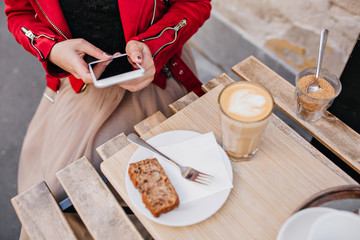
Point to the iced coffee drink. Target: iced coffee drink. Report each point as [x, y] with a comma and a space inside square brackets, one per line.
[245, 110]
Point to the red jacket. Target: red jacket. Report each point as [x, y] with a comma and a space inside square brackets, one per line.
[38, 24]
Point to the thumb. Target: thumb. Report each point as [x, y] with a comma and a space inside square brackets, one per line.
[135, 51]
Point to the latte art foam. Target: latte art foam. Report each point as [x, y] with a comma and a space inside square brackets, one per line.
[246, 102]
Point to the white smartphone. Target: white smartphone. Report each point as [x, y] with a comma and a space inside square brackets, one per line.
[120, 68]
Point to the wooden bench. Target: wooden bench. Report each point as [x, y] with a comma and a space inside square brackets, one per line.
[101, 213]
[329, 130]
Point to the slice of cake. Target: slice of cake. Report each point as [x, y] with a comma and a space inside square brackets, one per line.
[157, 192]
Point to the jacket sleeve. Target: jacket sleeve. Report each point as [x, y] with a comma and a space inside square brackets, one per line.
[35, 36]
[167, 35]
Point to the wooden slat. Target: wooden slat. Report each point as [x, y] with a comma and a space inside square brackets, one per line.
[329, 130]
[183, 102]
[223, 79]
[112, 146]
[97, 207]
[145, 125]
[40, 214]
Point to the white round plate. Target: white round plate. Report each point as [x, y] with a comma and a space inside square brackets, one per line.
[299, 224]
[185, 214]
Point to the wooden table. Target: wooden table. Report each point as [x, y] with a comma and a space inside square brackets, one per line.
[267, 189]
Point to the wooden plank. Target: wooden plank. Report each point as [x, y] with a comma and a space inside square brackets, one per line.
[148, 123]
[94, 202]
[223, 79]
[112, 146]
[40, 214]
[280, 177]
[183, 102]
[329, 130]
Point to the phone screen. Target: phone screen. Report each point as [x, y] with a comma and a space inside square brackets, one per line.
[118, 65]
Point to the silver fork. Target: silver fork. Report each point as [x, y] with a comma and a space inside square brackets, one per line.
[187, 172]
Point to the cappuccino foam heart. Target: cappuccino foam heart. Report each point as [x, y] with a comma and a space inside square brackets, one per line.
[246, 102]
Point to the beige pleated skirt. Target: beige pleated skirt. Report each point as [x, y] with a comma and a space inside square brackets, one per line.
[76, 124]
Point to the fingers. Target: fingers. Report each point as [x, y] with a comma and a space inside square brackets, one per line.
[69, 54]
[142, 82]
[100, 68]
[81, 68]
[135, 49]
[81, 71]
[91, 50]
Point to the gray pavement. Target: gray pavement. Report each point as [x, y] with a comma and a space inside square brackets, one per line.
[21, 84]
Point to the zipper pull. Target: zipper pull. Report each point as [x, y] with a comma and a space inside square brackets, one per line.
[181, 24]
[32, 37]
[28, 33]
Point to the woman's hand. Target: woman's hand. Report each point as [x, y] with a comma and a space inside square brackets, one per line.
[139, 52]
[69, 56]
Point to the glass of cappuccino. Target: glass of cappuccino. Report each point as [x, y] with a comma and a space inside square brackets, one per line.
[245, 110]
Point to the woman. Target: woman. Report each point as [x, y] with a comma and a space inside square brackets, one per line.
[74, 118]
